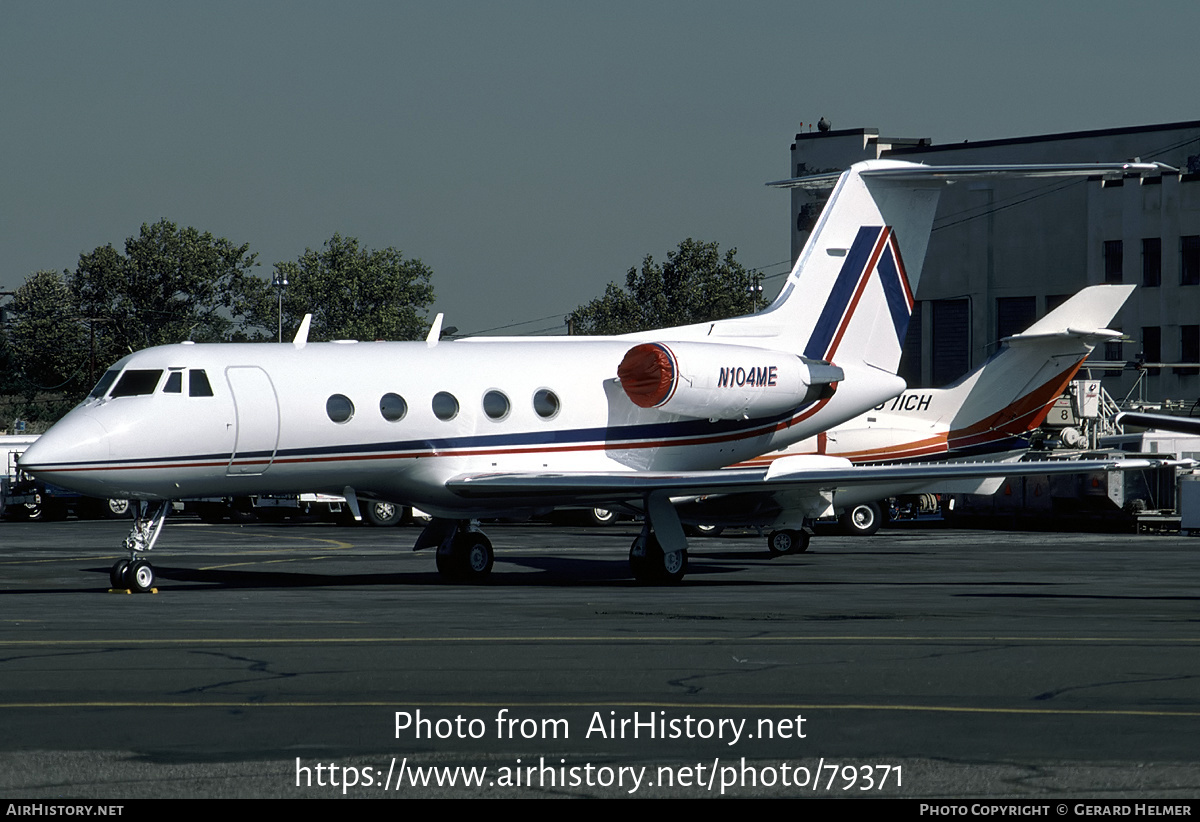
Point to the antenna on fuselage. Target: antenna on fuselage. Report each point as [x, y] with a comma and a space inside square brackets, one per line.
[301, 338]
[435, 331]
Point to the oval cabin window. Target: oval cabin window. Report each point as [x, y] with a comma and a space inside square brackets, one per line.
[445, 406]
[339, 408]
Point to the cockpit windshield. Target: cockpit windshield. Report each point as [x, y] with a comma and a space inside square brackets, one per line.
[136, 381]
[199, 385]
[102, 387]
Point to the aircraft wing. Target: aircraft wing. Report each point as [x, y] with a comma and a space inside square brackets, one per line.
[789, 473]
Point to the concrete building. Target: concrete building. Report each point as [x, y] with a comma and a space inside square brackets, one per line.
[1003, 253]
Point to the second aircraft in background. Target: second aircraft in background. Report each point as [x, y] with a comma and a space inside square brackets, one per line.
[987, 414]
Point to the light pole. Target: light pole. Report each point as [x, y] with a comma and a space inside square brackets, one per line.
[755, 288]
[280, 282]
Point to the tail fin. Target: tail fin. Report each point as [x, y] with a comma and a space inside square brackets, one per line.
[1014, 390]
[865, 256]
[850, 294]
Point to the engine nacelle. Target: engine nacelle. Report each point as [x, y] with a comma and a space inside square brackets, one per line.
[722, 382]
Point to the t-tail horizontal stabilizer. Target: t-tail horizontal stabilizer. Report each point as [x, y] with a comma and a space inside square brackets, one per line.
[867, 252]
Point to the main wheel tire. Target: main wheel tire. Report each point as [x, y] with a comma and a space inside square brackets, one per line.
[141, 575]
[861, 520]
[601, 516]
[102, 508]
[780, 542]
[46, 509]
[787, 541]
[118, 575]
[477, 556]
[653, 566]
[469, 559]
[383, 513]
[704, 530]
[447, 564]
[115, 508]
[638, 562]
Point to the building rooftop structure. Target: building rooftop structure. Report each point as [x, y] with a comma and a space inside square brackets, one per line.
[1005, 252]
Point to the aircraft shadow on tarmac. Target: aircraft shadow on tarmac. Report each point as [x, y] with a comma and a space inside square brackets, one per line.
[553, 571]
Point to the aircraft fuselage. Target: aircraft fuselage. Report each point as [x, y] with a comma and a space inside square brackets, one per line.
[393, 420]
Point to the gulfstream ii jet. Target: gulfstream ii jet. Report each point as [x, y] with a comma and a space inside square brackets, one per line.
[478, 427]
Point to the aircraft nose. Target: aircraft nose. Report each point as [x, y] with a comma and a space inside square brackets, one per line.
[73, 441]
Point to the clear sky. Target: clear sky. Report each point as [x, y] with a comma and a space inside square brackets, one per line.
[528, 152]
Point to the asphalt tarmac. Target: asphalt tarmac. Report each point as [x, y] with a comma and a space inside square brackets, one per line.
[315, 660]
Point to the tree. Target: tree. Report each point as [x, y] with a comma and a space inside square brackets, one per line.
[353, 293]
[171, 284]
[47, 340]
[46, 348]
[695, 284]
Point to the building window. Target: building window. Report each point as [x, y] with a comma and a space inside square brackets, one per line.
[1189, 262]
[1113, 350]
[1053, 301]
[1151, 346]
[910, 355]
[1189, 349]
[1114, 257]
[950, 340]
[1151, 262]
[1014, 315]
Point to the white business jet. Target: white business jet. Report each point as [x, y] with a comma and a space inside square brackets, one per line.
[472, 428]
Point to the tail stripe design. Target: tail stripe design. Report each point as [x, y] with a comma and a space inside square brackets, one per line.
[895, 286]
[874, 249]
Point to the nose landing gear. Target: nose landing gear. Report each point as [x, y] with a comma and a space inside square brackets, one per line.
[136, 574]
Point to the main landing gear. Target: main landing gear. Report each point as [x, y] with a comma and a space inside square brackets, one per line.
[788, 541]
[464, 553]
[651, 565]
[136, 574]
[658, 556]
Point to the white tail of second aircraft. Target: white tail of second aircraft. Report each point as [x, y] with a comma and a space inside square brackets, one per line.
[991, 410]
[1011, 393]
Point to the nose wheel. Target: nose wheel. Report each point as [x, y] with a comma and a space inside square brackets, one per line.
[119, 574]
[141, 575]
[137, 575]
